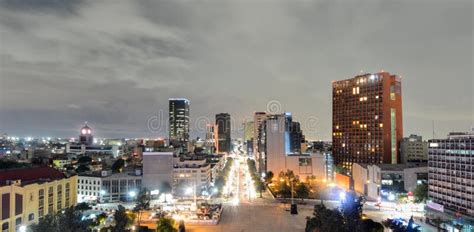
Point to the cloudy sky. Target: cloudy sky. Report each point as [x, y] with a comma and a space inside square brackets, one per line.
[116, 63]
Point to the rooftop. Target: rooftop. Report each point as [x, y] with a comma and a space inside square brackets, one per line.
[30, 175]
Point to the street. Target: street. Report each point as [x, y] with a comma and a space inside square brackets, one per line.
[254, 214]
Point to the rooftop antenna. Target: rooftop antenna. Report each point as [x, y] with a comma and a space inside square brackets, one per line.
[432, 126]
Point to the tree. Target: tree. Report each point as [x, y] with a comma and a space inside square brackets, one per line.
[325, 220]
[122, 220]
[142, 203]
[284, 190]
[370, 226]
[421, 193]
[459, 227]
[84, 160]
[165, 225]
[118, 165]
[351, 209]
[46, 223]
[260, 186]
[82, 168]
[269, 177]
[438, 223]
[82, 206]
[69, 221]
[302, 191]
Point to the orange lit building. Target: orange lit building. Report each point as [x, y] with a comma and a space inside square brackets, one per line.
[367, 119]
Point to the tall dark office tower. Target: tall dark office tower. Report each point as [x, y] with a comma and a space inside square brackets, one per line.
[367, 119]
[179, 122]
[223, 131]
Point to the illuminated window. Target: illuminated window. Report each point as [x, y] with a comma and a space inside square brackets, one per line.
[337, 127]
[376, 117]
[377, 97]
[381, 125]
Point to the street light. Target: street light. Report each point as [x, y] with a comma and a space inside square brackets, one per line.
[22, 228]
[132, 194]
[342, 196]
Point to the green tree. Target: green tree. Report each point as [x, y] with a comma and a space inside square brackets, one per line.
[142, 203]
[69, 221]
[351, 210]
[284, 190]
[421, 193]
[325, 220]
[122, 220]
[260, 187]
[459, 227]
[82, 206]
[165, 225]
[269, 177]
[302, 191]
[438, 222]
[46, 223]
[118, 165]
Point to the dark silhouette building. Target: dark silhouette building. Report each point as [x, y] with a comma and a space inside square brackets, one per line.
[179, 122]
[223, 132]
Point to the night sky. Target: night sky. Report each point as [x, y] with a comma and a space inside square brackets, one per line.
[116, 63]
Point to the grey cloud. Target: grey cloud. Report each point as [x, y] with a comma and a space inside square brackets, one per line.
[121, 60]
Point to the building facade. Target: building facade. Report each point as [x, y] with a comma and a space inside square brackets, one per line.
[258, 120]
[223, 123]
[157, 169]
[179, 122]
[367, 119]
[106, 187]
[29, 194]
[451, 174]
[248, 137]
[191, 173]
[413, 150]
[386, 181]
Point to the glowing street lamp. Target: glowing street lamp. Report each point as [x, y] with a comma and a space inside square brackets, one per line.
[132, 194]
[342, 196]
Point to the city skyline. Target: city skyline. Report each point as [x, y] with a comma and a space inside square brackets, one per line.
[70, 62]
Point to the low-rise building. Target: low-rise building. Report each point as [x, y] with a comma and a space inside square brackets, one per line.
[29, 194]
[108, 187]
[157, 169]
[385, 181]
[191, 172]
[413, 150]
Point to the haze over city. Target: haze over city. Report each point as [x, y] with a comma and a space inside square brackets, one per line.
[116, 63]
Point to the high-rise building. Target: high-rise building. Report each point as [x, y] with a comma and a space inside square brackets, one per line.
[248, 137]
[179, 122]
[258, 119]
[451, 176]
[211, 144]
[413, 150]
[223, 131]
[367, 120]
